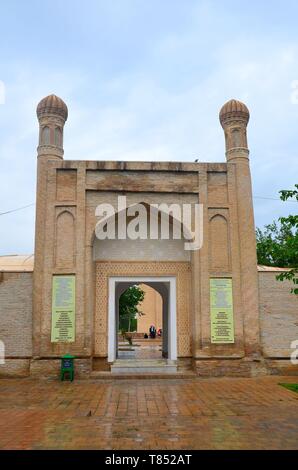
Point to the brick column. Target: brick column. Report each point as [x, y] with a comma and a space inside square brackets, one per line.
[52, 114]
[234, 117]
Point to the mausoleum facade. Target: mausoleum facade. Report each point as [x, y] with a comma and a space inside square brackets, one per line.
[217, 315]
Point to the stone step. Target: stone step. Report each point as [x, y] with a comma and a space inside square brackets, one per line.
[123, 362]
[144, 370]
[140, 376]
[145, 360]
[143, 366]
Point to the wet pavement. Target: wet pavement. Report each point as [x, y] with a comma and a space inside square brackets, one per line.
[148, 414]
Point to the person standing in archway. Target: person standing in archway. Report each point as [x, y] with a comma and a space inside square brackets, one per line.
[152, 331]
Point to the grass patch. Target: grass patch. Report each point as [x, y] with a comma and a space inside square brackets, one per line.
[292, 387]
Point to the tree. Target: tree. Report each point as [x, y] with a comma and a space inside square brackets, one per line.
[291, 222]
[277, 244]
[128, 306]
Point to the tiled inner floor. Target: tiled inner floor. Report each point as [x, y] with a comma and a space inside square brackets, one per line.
[141, 349]
[148, 414]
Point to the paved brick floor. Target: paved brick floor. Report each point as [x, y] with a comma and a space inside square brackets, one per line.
[148, 414]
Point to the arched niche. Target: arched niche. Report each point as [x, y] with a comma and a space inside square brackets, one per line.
[148, 248]
[219, 244]
[65, 240]
[45, 136]
[236, 138]
[58, 137]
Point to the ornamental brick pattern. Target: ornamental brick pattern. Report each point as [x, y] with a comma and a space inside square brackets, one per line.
[181, 270]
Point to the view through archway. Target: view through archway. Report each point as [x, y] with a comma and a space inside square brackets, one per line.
[140, 325]
[125, 360]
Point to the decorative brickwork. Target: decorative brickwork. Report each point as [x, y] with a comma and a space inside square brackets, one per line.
[16, 314]
[278, 316]
[181, 270]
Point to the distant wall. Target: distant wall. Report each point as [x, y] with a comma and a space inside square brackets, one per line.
[16, 314]
[278, 316]
[278, 319]
[152, 309]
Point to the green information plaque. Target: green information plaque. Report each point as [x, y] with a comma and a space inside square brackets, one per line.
[63, 309]
[221, 307]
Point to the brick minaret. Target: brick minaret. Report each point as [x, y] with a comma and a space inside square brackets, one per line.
[52, 113]
[234, 117]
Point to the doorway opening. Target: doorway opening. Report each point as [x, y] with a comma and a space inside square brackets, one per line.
[160, 309]
[140, 323]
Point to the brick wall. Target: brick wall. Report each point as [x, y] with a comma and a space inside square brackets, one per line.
[152, 309]
[16, 313]
[278, 315]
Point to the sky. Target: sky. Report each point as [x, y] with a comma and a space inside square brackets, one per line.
[145, 80]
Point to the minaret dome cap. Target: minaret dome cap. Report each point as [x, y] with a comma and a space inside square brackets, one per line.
[50, 105]
[234, 109]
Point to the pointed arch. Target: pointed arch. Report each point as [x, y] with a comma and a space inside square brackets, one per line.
[58, 137]
[219, 244]
[45, 136]
[147, 248]
[65, 240]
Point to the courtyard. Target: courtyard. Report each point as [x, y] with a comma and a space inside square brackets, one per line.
[225, 413]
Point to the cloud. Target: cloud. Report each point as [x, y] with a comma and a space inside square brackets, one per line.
[142, 97]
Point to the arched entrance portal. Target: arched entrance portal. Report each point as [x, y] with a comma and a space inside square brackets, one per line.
[161, 263]
[166, 286]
